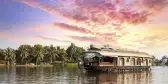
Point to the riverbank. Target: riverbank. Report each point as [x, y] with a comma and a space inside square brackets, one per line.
[75, 65]
[42, 65]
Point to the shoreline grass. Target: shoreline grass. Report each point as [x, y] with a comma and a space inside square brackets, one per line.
[41, 65]
[75, 65]
[26, 65]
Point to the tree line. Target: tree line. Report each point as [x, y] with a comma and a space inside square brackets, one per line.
[38, 54]
[160, 62]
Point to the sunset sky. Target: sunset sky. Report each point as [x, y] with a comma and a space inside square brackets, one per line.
[130, 24]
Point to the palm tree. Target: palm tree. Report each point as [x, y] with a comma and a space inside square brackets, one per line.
[50, 52]
[46, 53]
[79, 51]
[24, 53]
[9, 55]
[163, 60]
[1, 54]
[61, 54]
[53, 53]
[74, 52]
[38, 53]
[71, 52]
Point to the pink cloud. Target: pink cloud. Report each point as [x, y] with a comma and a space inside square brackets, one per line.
[107, 34]
[86, 39]
[103, 19]
[52, 39]
[156, 5]
[12, 38]
[101, 11]
[41, 28]
[4, 35]
[72, 28]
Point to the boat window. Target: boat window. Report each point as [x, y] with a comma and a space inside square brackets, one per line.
[108, 59]
[127, 59]
[138, 61]
[133, 61]
[149, 61]
[142, 60]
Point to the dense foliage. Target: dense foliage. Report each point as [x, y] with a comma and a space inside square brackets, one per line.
[162, 62]
[73, 52]
[38, 54]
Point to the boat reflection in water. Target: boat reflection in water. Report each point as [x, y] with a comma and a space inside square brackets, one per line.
[118, 78]
[67, 75]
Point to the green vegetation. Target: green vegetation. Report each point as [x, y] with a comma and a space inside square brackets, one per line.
[73, 53]
[74, 65]
[40, 55]
[9, 56]
[162, 62]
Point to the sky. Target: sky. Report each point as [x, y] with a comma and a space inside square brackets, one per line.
[139, 25]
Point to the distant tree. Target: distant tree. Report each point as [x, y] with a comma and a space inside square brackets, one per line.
[163, 60]
[1, 54]
[164, 57]
[107, 46]
[79, 51]
[50, 52]
[9, 56]
[47, 54]
[38, 53]
[24, 52]
[71, 52]
[93, 48]
[166, 63]
[156, 62]
[62, 55]
[74, 52]
[18, 58]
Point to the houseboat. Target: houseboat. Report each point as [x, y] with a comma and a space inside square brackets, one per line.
[108, 59]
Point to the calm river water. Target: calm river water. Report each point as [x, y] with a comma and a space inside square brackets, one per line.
[60, 75]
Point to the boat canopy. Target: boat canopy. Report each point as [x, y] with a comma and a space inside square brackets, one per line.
[115, 54]
[92, 54]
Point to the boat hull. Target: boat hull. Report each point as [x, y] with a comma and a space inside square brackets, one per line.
[115, 68]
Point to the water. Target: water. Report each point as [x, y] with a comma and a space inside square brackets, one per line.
[60, 75]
